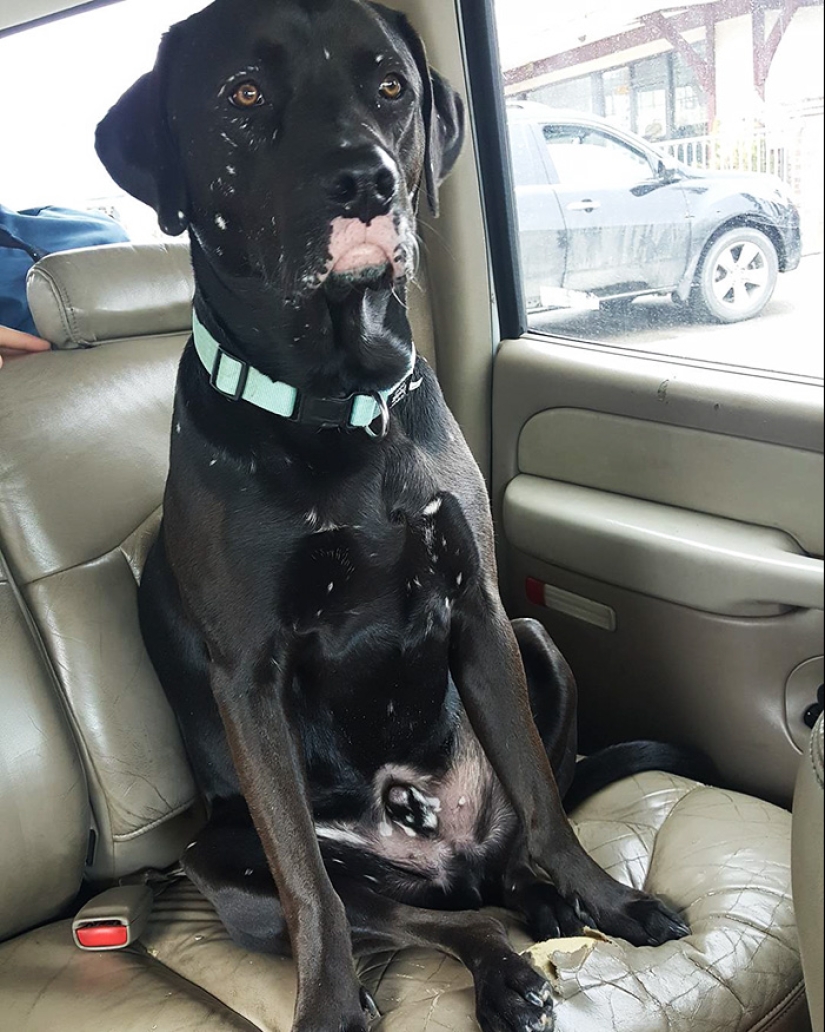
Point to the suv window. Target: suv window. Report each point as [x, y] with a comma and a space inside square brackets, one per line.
[582, 156]
[684, 213]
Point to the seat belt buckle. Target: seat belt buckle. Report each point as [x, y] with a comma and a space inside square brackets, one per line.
[114, 919]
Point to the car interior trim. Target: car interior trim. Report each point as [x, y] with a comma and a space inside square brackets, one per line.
[484, 73]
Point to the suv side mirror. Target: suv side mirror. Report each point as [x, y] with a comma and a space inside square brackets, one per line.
[668, 171]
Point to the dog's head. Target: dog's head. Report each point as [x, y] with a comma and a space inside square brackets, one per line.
[292, 137]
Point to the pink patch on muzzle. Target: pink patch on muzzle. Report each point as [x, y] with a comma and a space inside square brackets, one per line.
[355, 245]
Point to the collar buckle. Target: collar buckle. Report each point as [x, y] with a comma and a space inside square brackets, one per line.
[325, 413]
[243, 374]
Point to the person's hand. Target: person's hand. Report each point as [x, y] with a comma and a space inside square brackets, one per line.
[15, 344]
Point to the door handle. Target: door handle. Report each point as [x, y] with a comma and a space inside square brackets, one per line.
[705, 562]
[586, 205]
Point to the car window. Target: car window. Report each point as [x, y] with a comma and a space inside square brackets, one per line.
[687, 214]
[585, 157]
[57, 80]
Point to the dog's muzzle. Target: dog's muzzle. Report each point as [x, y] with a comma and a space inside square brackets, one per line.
[358, 248]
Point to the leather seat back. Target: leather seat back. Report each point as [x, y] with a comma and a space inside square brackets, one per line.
[44, 808]
[84, 437]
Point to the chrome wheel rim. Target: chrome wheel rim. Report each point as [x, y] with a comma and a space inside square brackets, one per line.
[740, 276]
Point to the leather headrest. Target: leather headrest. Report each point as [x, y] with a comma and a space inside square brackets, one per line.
[97, 294]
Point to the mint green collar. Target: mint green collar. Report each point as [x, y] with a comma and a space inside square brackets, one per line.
[236, 380]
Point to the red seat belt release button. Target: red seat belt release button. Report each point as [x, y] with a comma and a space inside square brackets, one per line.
[114, 919]
[103, 935]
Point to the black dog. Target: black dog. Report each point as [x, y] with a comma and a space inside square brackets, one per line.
[321, 604]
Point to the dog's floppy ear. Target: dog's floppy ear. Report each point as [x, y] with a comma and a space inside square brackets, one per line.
[134, 143]
[445, 135]
[443, 112]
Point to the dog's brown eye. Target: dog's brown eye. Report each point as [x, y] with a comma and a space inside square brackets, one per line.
[247, 95]
[391, 88]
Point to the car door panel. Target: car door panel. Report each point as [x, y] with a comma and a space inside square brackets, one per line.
[670, 538]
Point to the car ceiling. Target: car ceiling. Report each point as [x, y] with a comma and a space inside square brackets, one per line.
[17, 13]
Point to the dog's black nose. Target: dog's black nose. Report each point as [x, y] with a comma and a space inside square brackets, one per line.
[364, 185]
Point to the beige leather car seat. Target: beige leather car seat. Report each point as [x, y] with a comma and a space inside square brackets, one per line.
[94, 782]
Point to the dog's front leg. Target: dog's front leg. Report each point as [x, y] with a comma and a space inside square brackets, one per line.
[486, 665]
[270, 767]
[487, 669]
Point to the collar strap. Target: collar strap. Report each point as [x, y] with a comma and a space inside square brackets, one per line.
[237, 380]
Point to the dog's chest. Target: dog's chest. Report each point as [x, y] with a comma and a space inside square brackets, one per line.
[371, 610]
[401, 574]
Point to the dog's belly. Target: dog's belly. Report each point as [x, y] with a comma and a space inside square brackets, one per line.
[426, 836]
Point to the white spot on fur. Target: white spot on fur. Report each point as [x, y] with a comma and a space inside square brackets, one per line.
[220, 221]
[212, 462]
[433, 507]
[327, 54]
[459, 578]
[462, 801]
[311, 517]
[333, 834]
[177, 428]
[231, 170]
[247, 872]
[330, 586]
[409, 832]
[385, 829]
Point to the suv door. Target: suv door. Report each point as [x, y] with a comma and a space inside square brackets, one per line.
[627, 228]
[542, 235]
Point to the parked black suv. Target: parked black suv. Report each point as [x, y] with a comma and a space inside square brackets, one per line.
[604, 217]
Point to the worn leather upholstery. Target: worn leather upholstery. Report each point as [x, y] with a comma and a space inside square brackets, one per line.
[80, 298]
[808, 861]
[722, 858]
[83, 444]
[84, 437]
[44, 808]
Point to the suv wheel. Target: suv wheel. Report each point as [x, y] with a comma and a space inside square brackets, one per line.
[737, 275]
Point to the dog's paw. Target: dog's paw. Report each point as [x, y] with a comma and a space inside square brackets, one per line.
[641, 919]
[656, 922]
[549, 916]
[512, 996]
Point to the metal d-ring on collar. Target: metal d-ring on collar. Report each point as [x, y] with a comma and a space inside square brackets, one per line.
[237, 380]
[383, 415]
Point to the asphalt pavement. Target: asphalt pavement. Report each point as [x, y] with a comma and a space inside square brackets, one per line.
[787, 337]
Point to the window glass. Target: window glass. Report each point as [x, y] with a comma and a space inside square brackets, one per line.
[584, 156]
[83, 63]
[697, 229]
